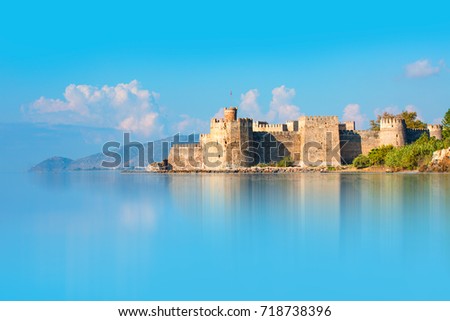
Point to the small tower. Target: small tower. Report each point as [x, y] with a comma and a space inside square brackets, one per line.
[230, 114]
[392, 131]
[435, 131]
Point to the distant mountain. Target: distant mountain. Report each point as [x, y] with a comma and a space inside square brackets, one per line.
[54, 164]
[137, 158]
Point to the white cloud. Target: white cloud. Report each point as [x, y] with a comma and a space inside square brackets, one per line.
[249, 106]
[352, 112]
[219, 114]
[281, 107]
[422, 68]
[124, 106]
[389, 109]
[412, 108]
[437, 120]
[189, 125]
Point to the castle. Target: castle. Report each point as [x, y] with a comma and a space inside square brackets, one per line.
[309, 141]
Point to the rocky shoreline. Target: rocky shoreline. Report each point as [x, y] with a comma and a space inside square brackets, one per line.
[269, 170]
[440, 163]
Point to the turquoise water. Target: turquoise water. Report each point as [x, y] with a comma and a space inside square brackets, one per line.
[111, 236]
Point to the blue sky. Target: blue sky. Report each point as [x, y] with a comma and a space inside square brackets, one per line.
[176, 62]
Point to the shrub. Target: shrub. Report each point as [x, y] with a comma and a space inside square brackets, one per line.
[377, 156]
[285, 162]
[265, 164]
[361, 161]
[416, 154]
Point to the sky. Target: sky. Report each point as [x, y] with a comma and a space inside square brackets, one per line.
[155, 68]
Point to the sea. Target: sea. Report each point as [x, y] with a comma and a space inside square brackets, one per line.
[105, 235]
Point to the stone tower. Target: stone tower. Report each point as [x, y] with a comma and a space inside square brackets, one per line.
[319, 140]
[228, 141]
[435, 131]
[392, 131]
[230, 114]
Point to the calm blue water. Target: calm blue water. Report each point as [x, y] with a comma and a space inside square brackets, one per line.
[110, 236]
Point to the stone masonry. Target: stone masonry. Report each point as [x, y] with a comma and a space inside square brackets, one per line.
[309, 141]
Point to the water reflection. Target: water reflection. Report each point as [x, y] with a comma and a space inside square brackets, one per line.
[105, 235]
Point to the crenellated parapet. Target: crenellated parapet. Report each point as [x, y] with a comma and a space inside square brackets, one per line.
[348, 125]
[292, 125]
[265, 127]
[187, 145]
[392, 122]
[413, 134]
[230, 113]
[311, 140]
[347, 132]
[435, 131]
[393, 131]
[434, 127]
[317, 120]
[245, 122]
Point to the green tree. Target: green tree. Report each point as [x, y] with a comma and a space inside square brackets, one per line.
[411, 120]
[446, 125]
[285, 162]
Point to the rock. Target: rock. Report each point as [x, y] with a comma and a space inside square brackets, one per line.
[440, 162]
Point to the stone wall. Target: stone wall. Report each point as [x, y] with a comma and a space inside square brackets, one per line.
[312, 141]
[414, 134]
[272, 147]
[320, 140]
[370, 139]
[356, 142]
[186, 156]
[351, 145]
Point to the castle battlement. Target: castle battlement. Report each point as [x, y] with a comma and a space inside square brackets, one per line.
[435, 131]
[320, 118]
[310, 140]
[434, 127]
[275, 132]
[270, 125]
[263, 126]
[187, 145]
[230, 114]
[316, 120]
[347, 132]
[390, 122]
[417, 129]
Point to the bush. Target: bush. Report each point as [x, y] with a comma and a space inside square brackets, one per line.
[377, 156]
[416, 154]
[285, 162]
[361, 161]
